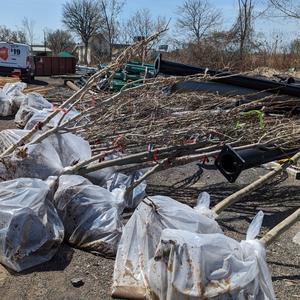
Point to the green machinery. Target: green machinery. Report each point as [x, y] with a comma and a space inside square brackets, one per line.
[131, 72]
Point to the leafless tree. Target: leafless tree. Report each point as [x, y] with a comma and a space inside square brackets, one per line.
[197, 18]
[243, 28]
[295, 46]
[290, 8]
[141, 25]
[59, 40]
[110, 11]
[28, 27]
[83, 18]
[8, 35]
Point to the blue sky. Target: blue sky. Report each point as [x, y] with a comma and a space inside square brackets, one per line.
[47, 14]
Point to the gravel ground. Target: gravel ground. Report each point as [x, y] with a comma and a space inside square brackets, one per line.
[52, 280]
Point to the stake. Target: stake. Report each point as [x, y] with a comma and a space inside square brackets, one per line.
[156, 168]
[283, 226]
[254, 185]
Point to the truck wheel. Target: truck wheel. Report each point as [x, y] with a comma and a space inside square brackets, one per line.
[29, 78]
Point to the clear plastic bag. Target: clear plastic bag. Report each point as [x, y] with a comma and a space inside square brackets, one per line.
[44, 159]
[11, 97]
[90, 215]
[194, 266]
[203, 204]
[6, 108]
[33, 161]
[15, 92]
[30, 229]
[70, 148]
[119, 182]
[41, 115]
[141, 237]
[33, 103]
[9, 137]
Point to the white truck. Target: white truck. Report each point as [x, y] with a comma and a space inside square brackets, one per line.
[16, 59]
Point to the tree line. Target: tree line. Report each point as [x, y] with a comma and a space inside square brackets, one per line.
[197, 32]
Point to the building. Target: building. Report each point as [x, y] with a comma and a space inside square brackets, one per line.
[40, 50]
[98, 50]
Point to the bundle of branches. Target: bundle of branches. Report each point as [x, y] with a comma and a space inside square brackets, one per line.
[150, 116]
[145, 120]
[77, 97]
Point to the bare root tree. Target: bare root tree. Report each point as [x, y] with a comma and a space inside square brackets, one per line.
[197, 18]
[28, 27]
[84, 19]
[9, 35]
[289, 8]
[110, 11]
[60, 40]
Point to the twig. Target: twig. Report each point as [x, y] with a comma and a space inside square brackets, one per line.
[254, 185]
[271, 235]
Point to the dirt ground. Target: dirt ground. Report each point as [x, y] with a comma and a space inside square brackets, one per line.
[52, 280]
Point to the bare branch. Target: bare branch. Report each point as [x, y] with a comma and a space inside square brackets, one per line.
[197, 18]
[83, 18]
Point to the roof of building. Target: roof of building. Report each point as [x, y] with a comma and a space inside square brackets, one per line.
[40, 48]
[65, 54]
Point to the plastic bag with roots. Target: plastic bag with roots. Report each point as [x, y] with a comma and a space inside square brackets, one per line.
[9, 137]
[30, 229]
[33, 103]
[41, 115]
[15, 92]
[41, 160]
[119, 182]
[11, 97]
[194, 266]
[141, 236]
[90, 215]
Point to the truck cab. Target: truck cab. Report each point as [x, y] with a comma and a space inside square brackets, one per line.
[16, 60]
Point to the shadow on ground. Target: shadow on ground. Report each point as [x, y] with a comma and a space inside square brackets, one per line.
[8, 118]
[59, 262]
[37, 82]
[277, 201]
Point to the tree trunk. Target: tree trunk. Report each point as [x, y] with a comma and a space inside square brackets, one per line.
[110, 51]
[86, 48]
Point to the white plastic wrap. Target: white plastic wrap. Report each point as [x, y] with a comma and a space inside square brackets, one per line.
[203, 206]
[15, 92]
[44, 159]
[90, 215]
[194, 266]
[41, 115]
[119, 182]
[33, 103]
[6, 108]
[100, 177]
[30, 229]
[9, 137]
[141, 237]
[10, 98]
[33, 161]
[14, 89]
[70, 148]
